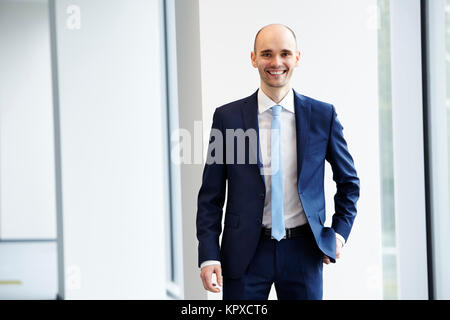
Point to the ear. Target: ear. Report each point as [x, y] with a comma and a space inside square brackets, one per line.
[253, 58]
[297, 59]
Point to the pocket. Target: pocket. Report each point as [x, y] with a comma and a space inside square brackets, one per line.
[231, 220]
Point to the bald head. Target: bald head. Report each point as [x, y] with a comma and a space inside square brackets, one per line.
[274, 30]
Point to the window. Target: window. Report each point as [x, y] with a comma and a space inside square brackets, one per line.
[438, 109]
[386, 153]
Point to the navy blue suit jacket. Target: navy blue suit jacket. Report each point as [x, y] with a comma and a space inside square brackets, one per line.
[319, 138]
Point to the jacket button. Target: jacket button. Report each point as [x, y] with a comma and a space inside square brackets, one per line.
[259, 221]
[261, 195]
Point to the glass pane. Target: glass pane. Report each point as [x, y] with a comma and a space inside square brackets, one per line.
[438, 36]
[447, 100]
[26, 123]
[28, 253]
[386, 153]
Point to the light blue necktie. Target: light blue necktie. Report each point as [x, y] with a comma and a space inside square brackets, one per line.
[277, 207]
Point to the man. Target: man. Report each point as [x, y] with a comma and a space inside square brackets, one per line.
[274, 222]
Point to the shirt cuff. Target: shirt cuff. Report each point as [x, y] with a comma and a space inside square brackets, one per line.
[209, 263]
[341, 238]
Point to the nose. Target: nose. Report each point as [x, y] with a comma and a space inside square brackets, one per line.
[276, 61]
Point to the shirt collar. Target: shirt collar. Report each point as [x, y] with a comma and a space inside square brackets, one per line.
[265, 103]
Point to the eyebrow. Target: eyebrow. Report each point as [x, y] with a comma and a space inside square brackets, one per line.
[269, 51]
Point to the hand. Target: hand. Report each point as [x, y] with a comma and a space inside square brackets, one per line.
[206, 276]
[339, 246]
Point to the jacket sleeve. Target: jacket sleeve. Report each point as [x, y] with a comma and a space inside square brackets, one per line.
[211, 196]
[344, 174]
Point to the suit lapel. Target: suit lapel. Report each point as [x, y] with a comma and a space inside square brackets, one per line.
[250, 116]
[302, 119]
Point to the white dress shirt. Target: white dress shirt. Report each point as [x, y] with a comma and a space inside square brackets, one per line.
[294, 215]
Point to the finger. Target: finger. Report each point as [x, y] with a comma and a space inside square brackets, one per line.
[208, 282]
[338, 248]
[204, 275]
[326, 260]
[219, 275]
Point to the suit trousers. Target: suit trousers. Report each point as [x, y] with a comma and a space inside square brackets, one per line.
[294, 265]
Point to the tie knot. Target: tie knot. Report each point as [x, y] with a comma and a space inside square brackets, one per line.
[276, 109]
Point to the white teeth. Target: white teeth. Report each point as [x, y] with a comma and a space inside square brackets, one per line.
[277, 72]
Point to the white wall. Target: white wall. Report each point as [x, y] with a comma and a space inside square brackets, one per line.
[189, 103]
[338, 42]
[112, 120]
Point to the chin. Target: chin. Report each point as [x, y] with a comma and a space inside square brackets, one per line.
[277, 85]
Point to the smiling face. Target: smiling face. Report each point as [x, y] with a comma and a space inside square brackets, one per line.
[276, 56]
